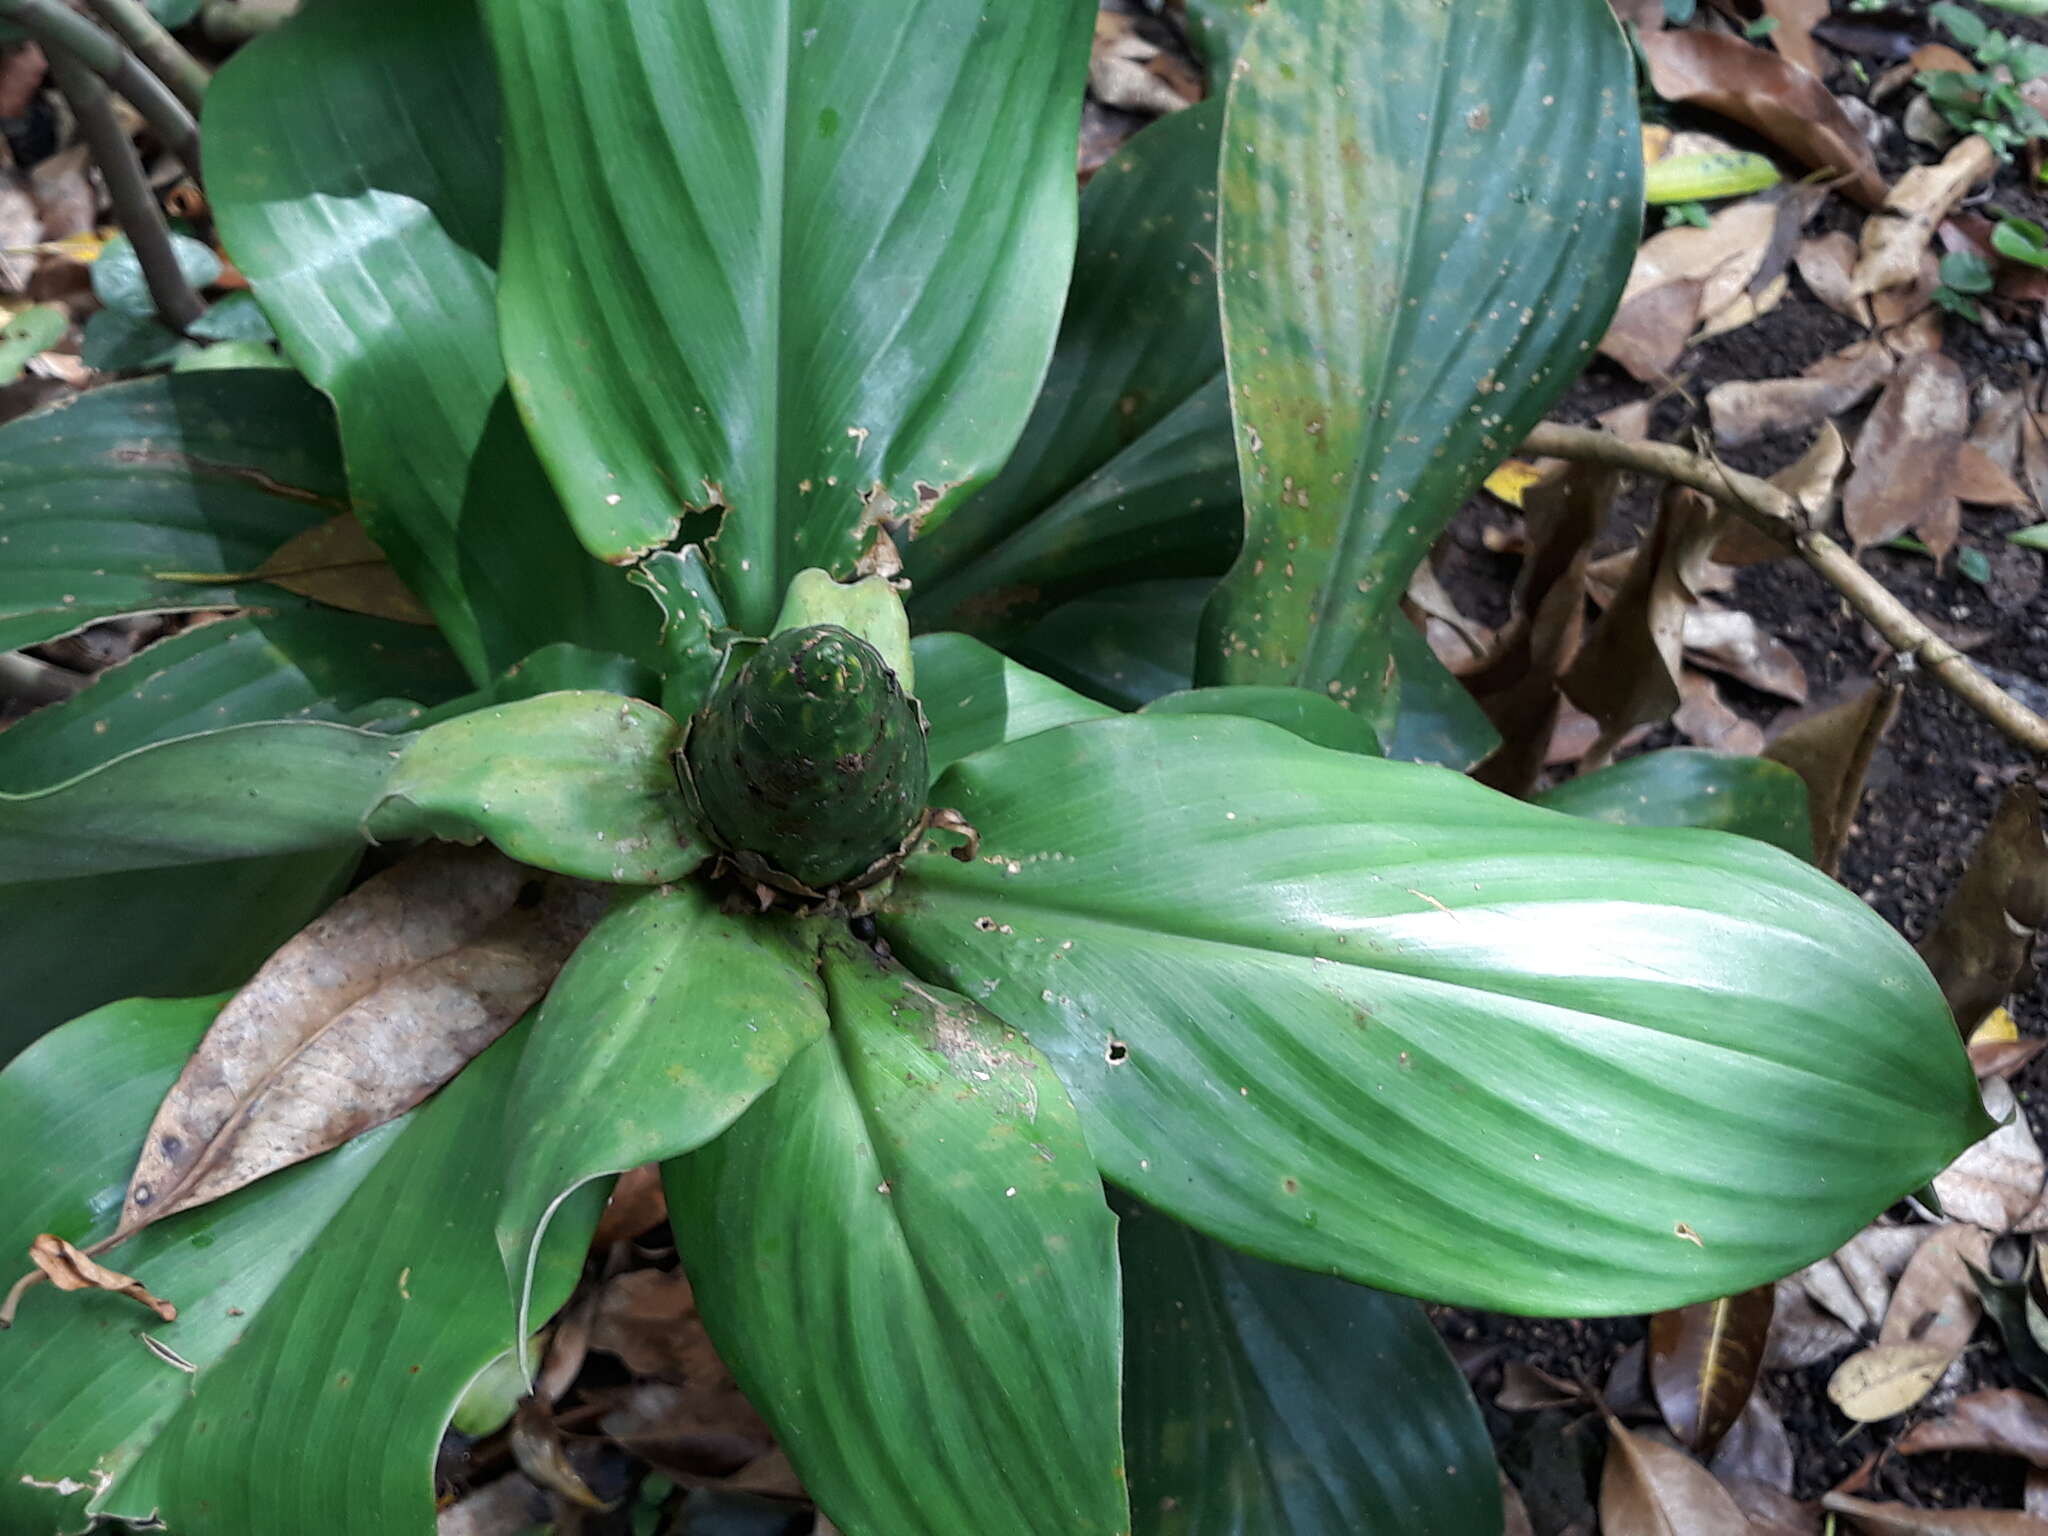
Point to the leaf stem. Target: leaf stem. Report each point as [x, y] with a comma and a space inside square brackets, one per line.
[1776, 513]
[153, 44]
[135, 205]
[62, 31]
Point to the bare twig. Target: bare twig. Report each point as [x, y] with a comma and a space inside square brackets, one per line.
[61, 30]
[134, 204]
[131, 21]
[1772, 510]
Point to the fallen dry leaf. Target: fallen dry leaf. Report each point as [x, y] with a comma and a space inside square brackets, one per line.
[1802, 1332]
[1981, 949]
[1756, 1449]
[1682, 275]
[637, 1202]
[69, 1269]
[1997, 1183]
[1997, 432]
[1704, 718]
[1729, 641]
[337, 563]
[2003, 1421]
[1130, 68]
[1648, 1489]
[1781, 101]
[1830, 748]
[1855, 1281]
[1745, 409]
[1981, 482]
[1772, 1512]
[1935, 1301]
[1904, 479]
[538, 1448]
[1997, 1049]
[1525, 1388]
[1903, 1520]
[1793, 34]
[1704, 1361]
[1514, 1513]
[1897, 235]
[1825, 264]
[1883, 1381]
[358, 1018]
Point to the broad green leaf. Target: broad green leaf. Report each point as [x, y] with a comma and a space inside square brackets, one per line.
[797, 258]
[354, 167]
[1681, 787]
[85, 1395]
[1218, 29]
[1127, 467]
[1428, 215]
[670, 1019]
[350, 1370]
[28, 332]
[1310, 716]
[1434, 718]
[693, 633]
[1374, 1019]
[193, 473]
[1125, 646]
[278, 787]
[1266, 1401]
[904, 1254]
[579, 783]
[118, 283]
[975, 697]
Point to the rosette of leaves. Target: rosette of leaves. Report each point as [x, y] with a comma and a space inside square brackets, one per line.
[625, 312]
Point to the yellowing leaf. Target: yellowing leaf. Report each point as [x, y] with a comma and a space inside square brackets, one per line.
[1997, 1028]
[1513, 479]
[70, 1270]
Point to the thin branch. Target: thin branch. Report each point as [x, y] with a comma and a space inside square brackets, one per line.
[134, 204]
[61, 30]
[1775, 512]
[131, 21]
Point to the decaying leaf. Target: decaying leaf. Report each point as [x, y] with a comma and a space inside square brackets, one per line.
[1903, 1520]
[1883, 1381]
[2003, 1421]
[1745, 409]
[1982, 948]
[1826, 263]
[1704, 718]
[1684, 275]
[1802, 1332]
[1731, 642]
[1772, 1512]
[1830, 748]
[1777, 98]
[1704, 1361]
[1855, 1282]
[1935, 1301]
[1793, 33]
[1757, 1449]
[1132, 69]
[537, 1447]
[1997, 1183]
[337, 563]
[1525, 1388]
[68, 1269]
[1998, 1049]
[1905, 475]
[1897, 235]
[357, 1019]
[1648, 1489]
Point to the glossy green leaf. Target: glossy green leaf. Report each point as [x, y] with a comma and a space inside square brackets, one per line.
[354, 167]
[976, 697]
[1125, 645]
[579, 783]
[693, 635]
[1218, 29]
[1311, 716]
[85, 1395]
[671, 1018]
[1428, 215]
[1265, 1401]
[118, 282]
[228, 794]
[1682, 787]
[1431, 717]
[350, 1370]
[1127, 467]
[798, 258]
[204, 474]
[1375, 1019]
[904, 1254]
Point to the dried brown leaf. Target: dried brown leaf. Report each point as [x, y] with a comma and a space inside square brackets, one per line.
[1904, 480]
[1772, 1512]
[2003, 1421]
[1133, 68]
[1903, 1520]
[1746, 308]
[1525, 1388]
[1997, 1183]
[1756, 1450]
[1897, 235]
[1515, 1519]
[1802, 1332]
[2034, 455]
[537, 1447]
[1981, 482]
[1781, 101]
[355, 1020]
[1883, 1381]
[1704, 718]
[69, 1269]
[1935, 1301]
[1729, 641]
[1997, 432]
[1830, 749]
[337, 563]
[1825, 263]
[1793, 34]
[1854, 1283]
[1684, 275]
[1648, 1489]
[1704, 1361]
[1745, 409]
[637, 1202]
[1649, 331]
[1982, 947]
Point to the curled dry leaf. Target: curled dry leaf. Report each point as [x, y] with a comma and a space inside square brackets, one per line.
[1704, 1361]
[1904, 480]
[1648, 1489]
[1903, 1520]
[1997, 1049]
[1826, 264]
[1855, 1282]
[1883, 1381]
[2003, 1421]
[1745, 409]
[1777, 98]
[1981, 482]
[357, 1019]
[1997, 432]
[538, 1448]
[1898, 234]
[1525, 1388]
[1729, 641]
[1935, 1301]
[1802, 1332]
[1997, 1183]
[69, 1269]
[1830, 748]
[337, 563]
[1982, 947]
[1683, 275]
[1704, 718]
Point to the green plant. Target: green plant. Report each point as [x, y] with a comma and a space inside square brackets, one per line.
[777, 289]
[1988, 101]
[1965, 277]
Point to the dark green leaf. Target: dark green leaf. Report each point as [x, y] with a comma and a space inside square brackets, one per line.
[1126, 468]
[117, 342]
[693, 628]
[1963, 25]
[221, 356]
[350, 1369]
[903, 1252]
[238, 317]
[1682, 787]
[1124, 646]
[975, 697]
[798, 258]
[1966, 272]
[1428, 215]
[1374, 1019]
[1218, 29]
[1435, 717]
[118, 283]
[202, 474]
[673, 1017]
[579, 783]
[1310, 716]
[1264, 1401]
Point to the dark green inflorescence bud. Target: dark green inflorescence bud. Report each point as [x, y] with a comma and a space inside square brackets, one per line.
[808, 764]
